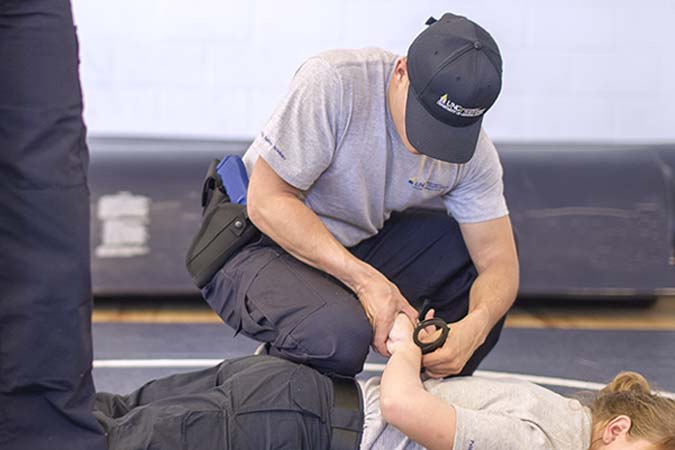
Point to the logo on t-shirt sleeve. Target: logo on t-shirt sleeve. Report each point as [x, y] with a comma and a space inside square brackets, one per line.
[273, 146]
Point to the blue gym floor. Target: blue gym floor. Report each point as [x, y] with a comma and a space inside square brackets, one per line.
[568, 360]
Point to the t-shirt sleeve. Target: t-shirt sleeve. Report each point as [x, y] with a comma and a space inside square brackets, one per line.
[300, 138]
[479, 193]
[485, 430]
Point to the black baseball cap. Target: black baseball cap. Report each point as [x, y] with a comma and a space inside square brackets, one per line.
[455, 72]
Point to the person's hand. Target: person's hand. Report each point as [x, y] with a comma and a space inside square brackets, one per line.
[400, 334]
[464, 338]
[382, 302]
[430, 333]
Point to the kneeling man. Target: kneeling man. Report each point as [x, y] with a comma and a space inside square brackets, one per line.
[338, 176]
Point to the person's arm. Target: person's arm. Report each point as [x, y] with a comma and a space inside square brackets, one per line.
[493, 252]
[276, 208]
[405, 403]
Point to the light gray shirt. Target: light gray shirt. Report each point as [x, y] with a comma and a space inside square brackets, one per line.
[333, 138]
[492, 414]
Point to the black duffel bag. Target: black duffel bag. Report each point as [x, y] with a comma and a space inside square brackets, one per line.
[225, 229]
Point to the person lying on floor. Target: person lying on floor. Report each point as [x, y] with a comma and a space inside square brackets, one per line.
[264, 402]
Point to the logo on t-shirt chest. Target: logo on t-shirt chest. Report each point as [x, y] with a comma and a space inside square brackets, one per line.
[426, 185]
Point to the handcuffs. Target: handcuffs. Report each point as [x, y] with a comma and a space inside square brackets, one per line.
[428, 347]
[438, 323]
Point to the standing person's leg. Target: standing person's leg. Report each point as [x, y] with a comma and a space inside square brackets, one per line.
[305, 314]
[46, 388]
[422, 251]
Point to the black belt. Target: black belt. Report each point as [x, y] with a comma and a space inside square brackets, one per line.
[346, 415]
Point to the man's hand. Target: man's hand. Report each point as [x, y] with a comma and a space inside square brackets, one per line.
[493, 252]
[382, 301]
[464, 338]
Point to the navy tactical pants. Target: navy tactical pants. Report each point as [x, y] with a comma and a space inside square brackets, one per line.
[310, 317]
[46, 388]
[250, 403]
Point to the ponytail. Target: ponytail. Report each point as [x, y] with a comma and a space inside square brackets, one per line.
[627, 382]
[652, 416]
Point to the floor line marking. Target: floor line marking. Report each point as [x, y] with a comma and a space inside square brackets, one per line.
[151, 363]
[368, 367]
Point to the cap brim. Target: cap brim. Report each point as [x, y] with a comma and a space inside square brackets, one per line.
[436, 139]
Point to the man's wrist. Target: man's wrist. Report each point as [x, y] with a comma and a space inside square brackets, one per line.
[356, 274]
[479, 320]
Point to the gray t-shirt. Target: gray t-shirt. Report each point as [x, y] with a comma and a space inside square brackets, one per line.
[333, 138]
[492, 414]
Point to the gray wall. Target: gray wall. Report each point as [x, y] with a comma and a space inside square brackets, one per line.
[598, 70]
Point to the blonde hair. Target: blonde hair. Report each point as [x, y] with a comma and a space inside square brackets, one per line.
[652, 415]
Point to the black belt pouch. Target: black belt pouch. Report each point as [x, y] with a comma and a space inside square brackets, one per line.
[225, 229]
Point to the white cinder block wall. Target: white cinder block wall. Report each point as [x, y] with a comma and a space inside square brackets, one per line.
[597, 70]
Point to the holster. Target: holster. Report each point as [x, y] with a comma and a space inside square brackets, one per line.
[225, 229]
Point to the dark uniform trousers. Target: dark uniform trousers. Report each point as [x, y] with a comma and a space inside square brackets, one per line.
[46, 388]
[249, 403]
[310, 317]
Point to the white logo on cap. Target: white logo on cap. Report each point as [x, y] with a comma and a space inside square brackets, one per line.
[456, 109]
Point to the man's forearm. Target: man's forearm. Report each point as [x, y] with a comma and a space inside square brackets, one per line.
[492, 294]
[493, 250]
[490, 297]
[296, 228]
